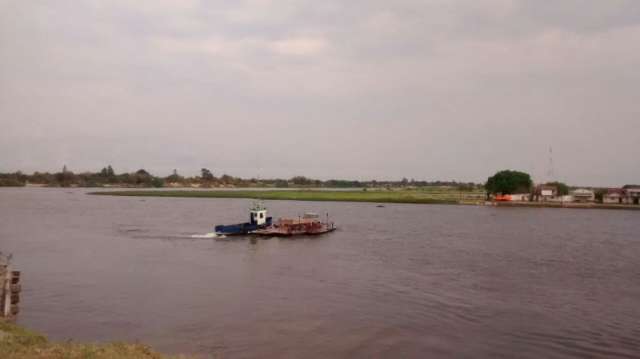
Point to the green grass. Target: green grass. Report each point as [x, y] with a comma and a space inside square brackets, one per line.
[20, 343]
[377, 196]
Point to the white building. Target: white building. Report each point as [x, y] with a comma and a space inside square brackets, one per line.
[546, 193]
[629, 194]
[583, 195]
[520, 197]
[632, 193]
[614, 196]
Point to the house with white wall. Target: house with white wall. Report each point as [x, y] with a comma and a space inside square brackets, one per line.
[583, 195]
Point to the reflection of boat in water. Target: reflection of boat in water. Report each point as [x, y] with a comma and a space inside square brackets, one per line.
[309, 224]
[257, 220]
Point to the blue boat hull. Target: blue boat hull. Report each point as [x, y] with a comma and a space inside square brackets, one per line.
[240, 228]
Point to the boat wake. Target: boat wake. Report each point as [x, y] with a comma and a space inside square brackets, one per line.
[206, 235]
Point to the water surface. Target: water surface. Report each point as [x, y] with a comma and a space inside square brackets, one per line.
[399, 281]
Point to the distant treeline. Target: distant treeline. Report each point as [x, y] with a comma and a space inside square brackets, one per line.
[108, 177]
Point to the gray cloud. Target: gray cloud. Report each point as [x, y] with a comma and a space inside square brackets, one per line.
[362, 89]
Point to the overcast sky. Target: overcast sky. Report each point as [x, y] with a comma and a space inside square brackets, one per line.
[440, 89]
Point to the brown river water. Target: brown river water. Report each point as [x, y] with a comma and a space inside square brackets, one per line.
[403, 281]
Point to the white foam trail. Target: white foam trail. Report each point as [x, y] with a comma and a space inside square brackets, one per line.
[207, 235]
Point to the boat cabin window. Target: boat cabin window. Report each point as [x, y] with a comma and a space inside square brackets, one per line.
[261, 215]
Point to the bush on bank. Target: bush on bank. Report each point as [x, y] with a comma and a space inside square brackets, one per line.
[19, 343]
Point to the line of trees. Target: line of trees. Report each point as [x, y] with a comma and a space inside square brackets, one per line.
[67, 178]
[142, 178]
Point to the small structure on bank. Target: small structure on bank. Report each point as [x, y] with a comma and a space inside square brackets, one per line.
[629, 194]
[613, 196]
[633, 194]
[583, 195]
[520, 197]
[544, 193]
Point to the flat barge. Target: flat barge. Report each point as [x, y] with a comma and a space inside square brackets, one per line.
[308, 225]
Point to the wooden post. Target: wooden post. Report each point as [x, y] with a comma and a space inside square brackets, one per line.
[3, 271]
[6, 295]
[14, 296]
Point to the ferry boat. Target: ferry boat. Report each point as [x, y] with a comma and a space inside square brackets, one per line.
[257, 220]
[309, 224]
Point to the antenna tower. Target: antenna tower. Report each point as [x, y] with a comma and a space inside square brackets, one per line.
[551, 174]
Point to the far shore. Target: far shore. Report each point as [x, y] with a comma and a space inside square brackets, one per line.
[371, 196]
[335, 195]
[577, 205]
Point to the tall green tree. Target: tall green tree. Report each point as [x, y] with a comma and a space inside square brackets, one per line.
[110, 172]
[65, 178]
[509, 182]
[143, 178]
[206, 175]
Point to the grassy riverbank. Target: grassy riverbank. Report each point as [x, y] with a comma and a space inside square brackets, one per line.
[377, 196]
[19, 343]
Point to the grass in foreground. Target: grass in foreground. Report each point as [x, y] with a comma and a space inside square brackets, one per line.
[414, 196]
[17, 342]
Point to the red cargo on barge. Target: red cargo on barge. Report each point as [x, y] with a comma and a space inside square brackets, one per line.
[309, 224]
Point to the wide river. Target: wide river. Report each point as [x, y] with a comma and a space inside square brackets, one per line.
[428, 281]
